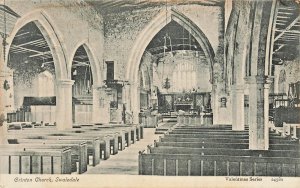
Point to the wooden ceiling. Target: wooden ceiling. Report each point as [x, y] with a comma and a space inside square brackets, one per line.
[287, 32]
[171, 38]
[29, 45]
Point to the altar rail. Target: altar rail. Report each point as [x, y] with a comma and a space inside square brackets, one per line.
[190, 119]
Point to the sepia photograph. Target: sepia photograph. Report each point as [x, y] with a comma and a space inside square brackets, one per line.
[149, 93]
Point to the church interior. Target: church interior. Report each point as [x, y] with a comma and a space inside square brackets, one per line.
[150, 87]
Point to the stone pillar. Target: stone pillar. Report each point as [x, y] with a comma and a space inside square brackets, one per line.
[6, 99]
[64, 104]
[276, 78]
[238, 107]
[126, 96]
[258, 112]
[135, 102]
[215, 106]
[97, 102]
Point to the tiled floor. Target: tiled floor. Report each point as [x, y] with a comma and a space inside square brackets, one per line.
[126, 161]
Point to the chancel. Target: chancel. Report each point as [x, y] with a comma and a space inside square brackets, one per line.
[201, 88]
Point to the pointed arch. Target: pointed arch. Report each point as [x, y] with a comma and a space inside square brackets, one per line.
[153, 28]
[92, 59]
[42, 21]
[144, 38]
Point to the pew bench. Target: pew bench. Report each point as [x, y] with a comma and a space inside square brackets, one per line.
[177, 138]
[104, 141]
[93, 143]
[117, 144]
[225, 151]
[216, 132]
[78, 150]
[110, 140]
[35, 161]
[216, 165]
[226, 145]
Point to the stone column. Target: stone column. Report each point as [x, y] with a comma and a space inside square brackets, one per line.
[258, 112]
[126, 96]
[97, 102]
[238, 107]
[215, 104]
[64, 104]
[135, 102]
[3, 108]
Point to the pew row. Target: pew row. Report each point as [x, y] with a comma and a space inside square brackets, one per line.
[224, 151]
[226, 145]
[178, 138]
[35, 161]
[216, 165]
[79, 152]
[93, 143]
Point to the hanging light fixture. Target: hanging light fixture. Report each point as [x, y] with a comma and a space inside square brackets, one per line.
[167, 41]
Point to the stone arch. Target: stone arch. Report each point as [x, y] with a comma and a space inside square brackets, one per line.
[147, 34]
[92, 59]
[42, 21]
[153, 28]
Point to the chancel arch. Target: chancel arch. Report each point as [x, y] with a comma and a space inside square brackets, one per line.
[145, 37]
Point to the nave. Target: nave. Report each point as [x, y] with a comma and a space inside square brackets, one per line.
[126, 161]
[84, 84]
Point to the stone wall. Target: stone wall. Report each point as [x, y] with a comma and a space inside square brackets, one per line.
[122, 28]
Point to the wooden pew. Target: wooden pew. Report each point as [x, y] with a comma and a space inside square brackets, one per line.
[225, 151]
[119, 138]
[93, 143]
[220, 165]
[109, 139]
[41, 147]
[215, 132]
[173, 138]
[102, 132]
[136, 130]
[104, 141]
[226, 145]
[132, 133]
[212, 151]
[35, 161]
[78, 149]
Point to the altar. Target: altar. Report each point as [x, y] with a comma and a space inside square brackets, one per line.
[188, 102]
[185, 106]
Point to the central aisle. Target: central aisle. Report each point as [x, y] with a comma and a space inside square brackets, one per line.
[126, 161]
